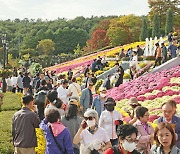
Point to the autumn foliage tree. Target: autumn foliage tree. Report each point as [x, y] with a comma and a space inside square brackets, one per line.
[98, 40]
[124, 30]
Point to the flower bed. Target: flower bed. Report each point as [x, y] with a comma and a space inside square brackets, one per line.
[151, 90]
[78, 64]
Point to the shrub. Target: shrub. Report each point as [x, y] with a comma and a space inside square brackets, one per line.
[142, 64]
[4, 73]
[126, 76]
[106, 68]
[140, 59]
[99, 72]
[149, 58]
[125, 59]
[98, 84]
[111, 64]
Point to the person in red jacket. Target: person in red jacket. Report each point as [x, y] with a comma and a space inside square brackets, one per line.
[127, 140]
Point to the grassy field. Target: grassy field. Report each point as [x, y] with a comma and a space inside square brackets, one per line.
[11, 103]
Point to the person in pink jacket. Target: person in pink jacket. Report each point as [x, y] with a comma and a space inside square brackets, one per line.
[145, 130]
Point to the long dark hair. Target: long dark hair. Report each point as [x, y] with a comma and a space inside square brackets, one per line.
[72, 112]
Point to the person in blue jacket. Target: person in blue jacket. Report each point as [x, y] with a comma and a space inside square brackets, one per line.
[169, 110]
[98, 103]
[60, 132]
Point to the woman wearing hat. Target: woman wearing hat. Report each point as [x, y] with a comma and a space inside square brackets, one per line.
[92, 137]
[108, 120]
[72, 121]
[133, 102]
[99, 101]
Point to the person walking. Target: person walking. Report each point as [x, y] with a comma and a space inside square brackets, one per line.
[108, 119]
[20, 83]
[72, 121]
[107, 82]
[145, 130]
[74, 89]
[58, 139]
[93, 139]
[24, 123]
[26, 83]
[99, 101]
[157, 55]
[164, 53]
[86, 98]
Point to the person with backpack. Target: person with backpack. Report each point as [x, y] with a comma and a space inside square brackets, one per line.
[127, 135]
[40, 99]
[58, 139]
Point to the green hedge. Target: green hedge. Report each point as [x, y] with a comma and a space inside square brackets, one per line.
[6, 146]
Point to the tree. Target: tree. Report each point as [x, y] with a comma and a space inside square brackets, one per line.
[77, 50]
[156, 26]
[169, 22]
[98, 40]
[118, 33]
[125, 29]
[46, 46]
[144, 30]
[160, 8]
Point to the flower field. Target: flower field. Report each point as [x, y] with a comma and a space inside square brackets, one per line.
[78, 64]
[151, 90]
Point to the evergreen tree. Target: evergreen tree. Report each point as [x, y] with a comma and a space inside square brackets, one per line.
[144, 30]
[169, 21]
[156, 26]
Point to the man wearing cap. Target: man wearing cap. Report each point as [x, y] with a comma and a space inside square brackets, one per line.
[86, 98]
[99, 101]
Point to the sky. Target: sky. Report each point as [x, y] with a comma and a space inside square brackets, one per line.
[69, 9]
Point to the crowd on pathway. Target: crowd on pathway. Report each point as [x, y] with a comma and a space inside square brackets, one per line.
[74, 120]
[100, 130]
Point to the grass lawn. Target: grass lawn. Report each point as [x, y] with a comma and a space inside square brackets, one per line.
[11, 103]
[6, 146]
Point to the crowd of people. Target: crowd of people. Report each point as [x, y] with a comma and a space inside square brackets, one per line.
[74, 120]
[93, 126]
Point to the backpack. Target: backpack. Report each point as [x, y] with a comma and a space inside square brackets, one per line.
[40, 97]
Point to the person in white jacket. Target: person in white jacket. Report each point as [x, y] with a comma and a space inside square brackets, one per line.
[108, 120]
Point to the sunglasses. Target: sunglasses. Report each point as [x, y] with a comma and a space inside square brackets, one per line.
[88, 118]
[90, 84]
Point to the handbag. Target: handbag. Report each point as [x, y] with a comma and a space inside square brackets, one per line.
[58, 145]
